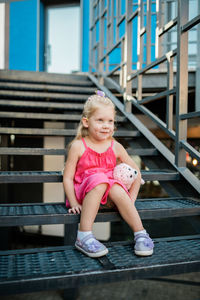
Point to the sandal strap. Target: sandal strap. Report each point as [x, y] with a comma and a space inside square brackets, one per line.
[142, 235]
[86, 238]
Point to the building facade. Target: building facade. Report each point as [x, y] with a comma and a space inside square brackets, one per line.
[39, 35]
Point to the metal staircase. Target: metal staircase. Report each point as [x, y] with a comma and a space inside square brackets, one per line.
[27, 100]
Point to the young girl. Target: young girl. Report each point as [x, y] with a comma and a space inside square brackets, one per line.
[88, 177]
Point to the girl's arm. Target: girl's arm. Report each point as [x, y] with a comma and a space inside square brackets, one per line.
[122, 154]
[68, 177]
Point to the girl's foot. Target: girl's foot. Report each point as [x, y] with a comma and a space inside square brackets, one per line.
[92, 248]
[143, 244]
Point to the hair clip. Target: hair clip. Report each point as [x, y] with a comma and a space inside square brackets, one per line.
[100, 93]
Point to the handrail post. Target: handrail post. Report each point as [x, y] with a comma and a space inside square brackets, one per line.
[127, 56]
[148, 31]
[159, 24]
[91, 37]
[140, 49]
[170, 85]
[181, 83]
[101, 42]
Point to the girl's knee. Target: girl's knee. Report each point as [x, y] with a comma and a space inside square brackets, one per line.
[117, 191]
[100, 188]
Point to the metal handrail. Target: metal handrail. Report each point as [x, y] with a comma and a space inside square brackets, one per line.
[127, 75]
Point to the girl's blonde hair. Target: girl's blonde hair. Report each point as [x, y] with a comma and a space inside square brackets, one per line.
[91, 105]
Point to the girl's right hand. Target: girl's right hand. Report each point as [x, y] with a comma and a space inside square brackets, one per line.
[75, 209]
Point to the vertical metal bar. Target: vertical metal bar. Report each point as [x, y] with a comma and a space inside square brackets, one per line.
[159, 24]
[197, 86]
[127, 85]
[5, 232]
[117, 18]
[101, 30]
[98, 43]
[110, 41]
[148, 31]
[122, 70]
[91, 37]
[38, 37]
[140, 49]
[182, 83]
[101, 41]
[7, 35]
[95, 37]
[109, 32]
[105, 47]
[70, 234]
[169, 102]
[118, 5]
[109, 35]
[112, 23]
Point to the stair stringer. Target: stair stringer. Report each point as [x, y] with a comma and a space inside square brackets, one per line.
[185, 172]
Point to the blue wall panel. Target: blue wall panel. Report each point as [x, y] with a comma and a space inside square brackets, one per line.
[23, 29]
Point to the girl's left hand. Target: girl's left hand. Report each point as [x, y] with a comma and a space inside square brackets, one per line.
[74, 210]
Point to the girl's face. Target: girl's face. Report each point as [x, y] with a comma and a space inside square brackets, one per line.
[101, 124]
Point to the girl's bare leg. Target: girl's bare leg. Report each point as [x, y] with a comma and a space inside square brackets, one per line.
[126, 207]
[90, 207]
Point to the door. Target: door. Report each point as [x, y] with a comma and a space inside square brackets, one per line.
[62, 47]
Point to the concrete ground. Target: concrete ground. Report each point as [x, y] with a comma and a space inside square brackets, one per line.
[130, 290]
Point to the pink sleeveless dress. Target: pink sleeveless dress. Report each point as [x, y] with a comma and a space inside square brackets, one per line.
[92, 169]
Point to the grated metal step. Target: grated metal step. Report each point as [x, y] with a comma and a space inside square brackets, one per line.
[40, 116]
[57, 213]
[45, 78]
[42, 96]
[43, 151]
[48, 116]
[65, 267]
[31, 151]
[56, 176]
[40, 104]
[60, 132]
[46, 88]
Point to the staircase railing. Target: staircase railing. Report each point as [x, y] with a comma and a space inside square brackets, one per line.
[113, 35]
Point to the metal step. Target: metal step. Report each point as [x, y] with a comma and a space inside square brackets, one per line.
[40, 116]
[45, 116]
[65, 267]
[21, 95]
[57, 213]
[56, 176]
[42, 151]
[39, 104]
[37, 131]
[143, 152]
[45, 78]
[31, 151]
[59, 132]
[46, 88]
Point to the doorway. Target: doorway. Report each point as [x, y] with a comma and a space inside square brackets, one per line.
[62, 41]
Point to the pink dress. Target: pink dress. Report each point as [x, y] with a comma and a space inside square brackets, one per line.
[92, 169]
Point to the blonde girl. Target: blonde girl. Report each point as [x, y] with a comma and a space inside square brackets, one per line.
[88, 177]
